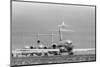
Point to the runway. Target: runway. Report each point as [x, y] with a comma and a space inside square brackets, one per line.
[51, 59]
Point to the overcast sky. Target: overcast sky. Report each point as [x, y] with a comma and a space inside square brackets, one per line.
[30, 18]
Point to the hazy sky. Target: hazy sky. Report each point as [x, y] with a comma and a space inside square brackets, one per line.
[30, 18]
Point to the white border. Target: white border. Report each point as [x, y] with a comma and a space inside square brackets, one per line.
[5, 33]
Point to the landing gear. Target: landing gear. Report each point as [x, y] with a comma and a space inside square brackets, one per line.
[56, 53]
[45, 54]
[38, 54]
[71, 53]
[12, 55]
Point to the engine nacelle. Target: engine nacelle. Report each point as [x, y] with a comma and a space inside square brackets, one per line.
[54, 45]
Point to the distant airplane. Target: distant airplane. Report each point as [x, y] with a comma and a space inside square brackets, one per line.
[63, 25]
[62, 28]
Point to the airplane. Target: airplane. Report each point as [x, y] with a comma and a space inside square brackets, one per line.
[61, 28]
[64, 46]
[41, 50]
[63, 25]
